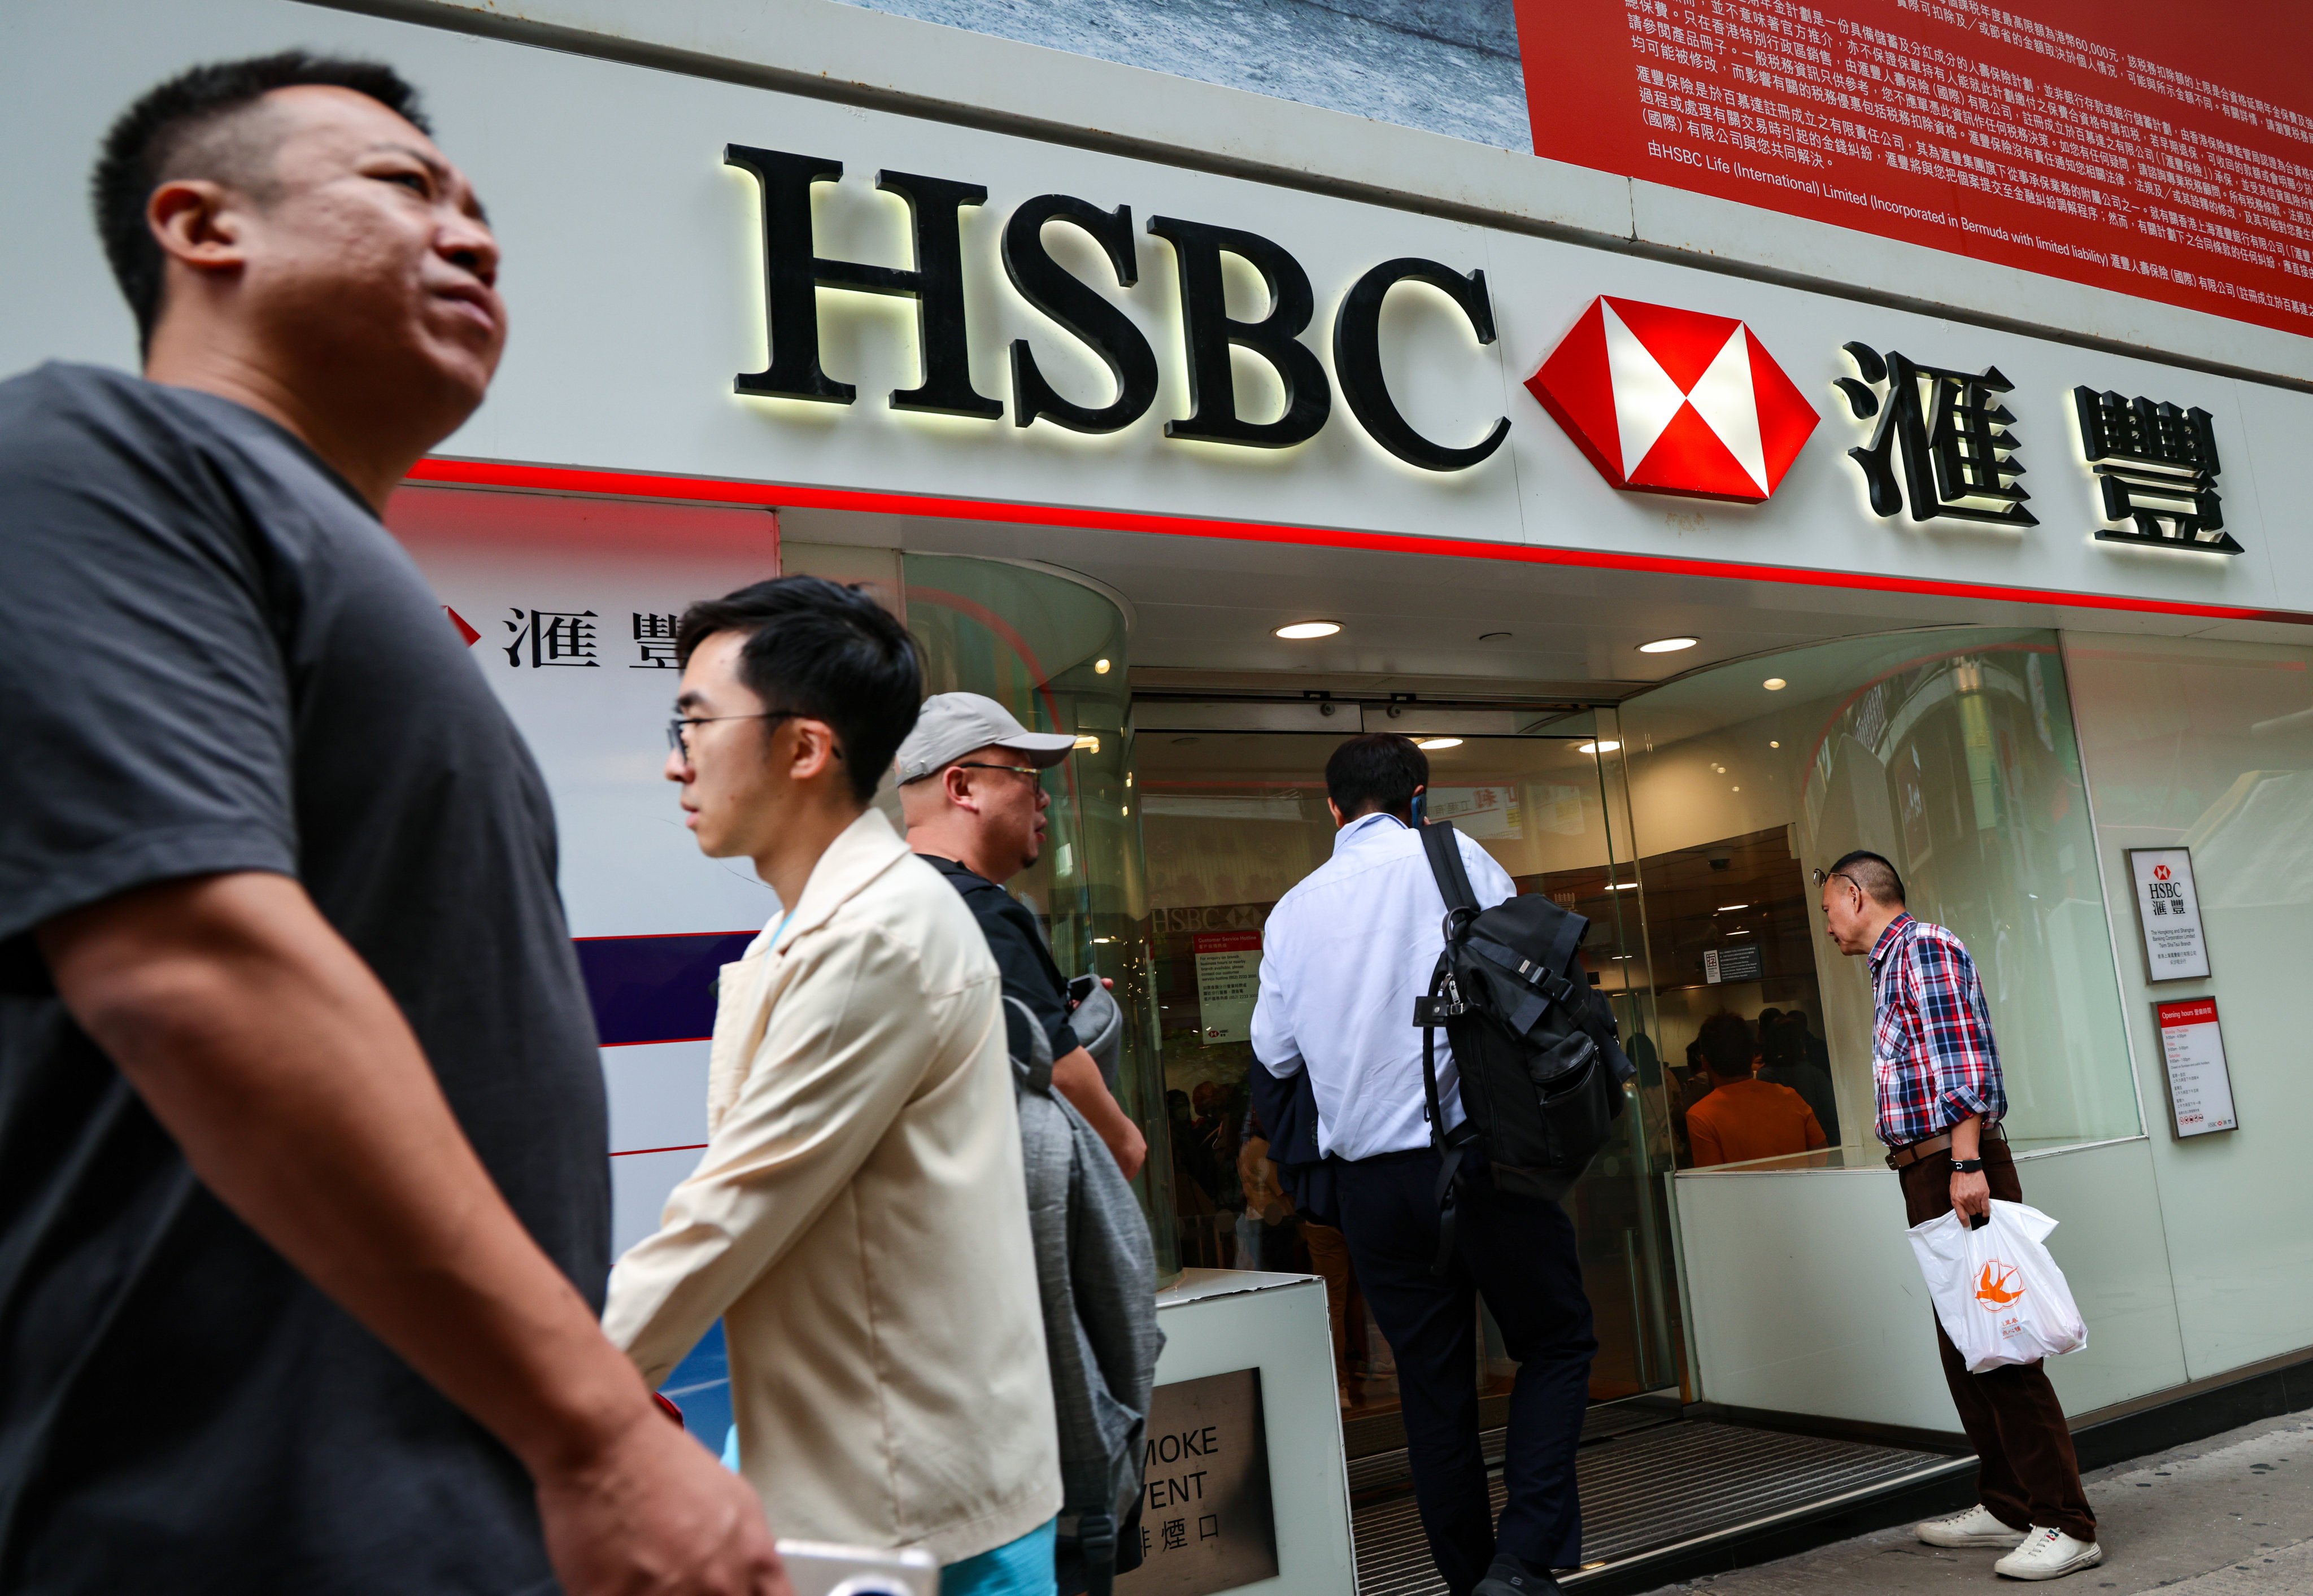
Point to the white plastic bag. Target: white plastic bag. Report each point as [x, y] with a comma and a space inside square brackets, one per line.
[1999, 1296]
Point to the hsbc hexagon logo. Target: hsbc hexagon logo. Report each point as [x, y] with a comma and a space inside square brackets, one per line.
[1666, 401]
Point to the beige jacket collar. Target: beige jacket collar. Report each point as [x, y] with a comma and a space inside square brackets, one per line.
[861, 851]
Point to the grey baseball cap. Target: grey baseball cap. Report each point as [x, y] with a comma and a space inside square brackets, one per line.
[954, 725]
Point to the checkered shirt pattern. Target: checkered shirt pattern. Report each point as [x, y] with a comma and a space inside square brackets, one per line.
[1933, 1061]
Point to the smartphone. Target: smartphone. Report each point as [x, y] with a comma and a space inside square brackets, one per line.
[816, 1569]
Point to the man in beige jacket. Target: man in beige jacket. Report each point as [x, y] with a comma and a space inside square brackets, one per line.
[858, 1220]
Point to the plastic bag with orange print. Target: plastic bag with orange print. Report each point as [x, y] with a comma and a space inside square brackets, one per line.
[1999, 1296]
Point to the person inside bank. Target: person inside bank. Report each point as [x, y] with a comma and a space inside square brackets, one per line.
[1745, 1117]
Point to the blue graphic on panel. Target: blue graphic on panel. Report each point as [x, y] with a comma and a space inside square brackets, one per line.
[655, 988]
[700, 1386]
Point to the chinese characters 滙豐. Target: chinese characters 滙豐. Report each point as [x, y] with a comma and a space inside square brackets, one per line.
[546, 639]
[2158, 467]
[1956, 441]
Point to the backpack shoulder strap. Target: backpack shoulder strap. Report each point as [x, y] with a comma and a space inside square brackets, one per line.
[1443, 845]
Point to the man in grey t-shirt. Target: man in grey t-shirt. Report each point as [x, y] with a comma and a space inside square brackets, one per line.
[305, 1219]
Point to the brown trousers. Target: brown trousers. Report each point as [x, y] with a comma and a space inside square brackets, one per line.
[2025, 1470]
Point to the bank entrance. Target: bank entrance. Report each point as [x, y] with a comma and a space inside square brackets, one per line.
[1232, 801]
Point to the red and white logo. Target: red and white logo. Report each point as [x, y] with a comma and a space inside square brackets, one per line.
[1666, 401]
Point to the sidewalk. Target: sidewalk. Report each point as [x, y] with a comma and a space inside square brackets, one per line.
[2229, 1516]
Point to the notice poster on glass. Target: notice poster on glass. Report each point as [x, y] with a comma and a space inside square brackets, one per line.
[2168, 912]
[1228, 982]
[2192, 1051]
[1741, 962]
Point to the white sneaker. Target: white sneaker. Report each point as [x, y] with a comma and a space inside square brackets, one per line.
[1976, 1527]
[2049, 1553]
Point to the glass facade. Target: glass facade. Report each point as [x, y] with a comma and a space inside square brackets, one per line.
[1951, 752]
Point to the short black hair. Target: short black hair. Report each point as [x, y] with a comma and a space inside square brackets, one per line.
[1783, 1044]
[171, 131]
[1874, 875]
[822, 649]
[1376, 773]
[1728, 1045]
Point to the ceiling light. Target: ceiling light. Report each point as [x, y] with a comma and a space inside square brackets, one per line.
[1618, 958]
[1606, 746]
[1667, 644]
[1431, 744]
[1774, 684]
[1728, 909]
[1301, 630]
[1100, 667]
[1127, 778]
[1772, 743]
[1739, 931]
[1621, 886]
[1089, 743]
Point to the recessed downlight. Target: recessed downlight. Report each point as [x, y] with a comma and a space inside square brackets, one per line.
[1100, 667]
[1432, 744]
[1606, 747]
[1667, 644]
[1301, 631]
[1774, 684]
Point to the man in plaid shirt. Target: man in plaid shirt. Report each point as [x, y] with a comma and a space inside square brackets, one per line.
[1936, 1074]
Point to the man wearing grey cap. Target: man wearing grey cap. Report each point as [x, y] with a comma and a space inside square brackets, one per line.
[971, 788]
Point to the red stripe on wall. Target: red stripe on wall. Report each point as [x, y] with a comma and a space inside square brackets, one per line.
[713, 490]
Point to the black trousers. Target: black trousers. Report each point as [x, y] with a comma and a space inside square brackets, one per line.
[1518, 1253]
[2025, 1470]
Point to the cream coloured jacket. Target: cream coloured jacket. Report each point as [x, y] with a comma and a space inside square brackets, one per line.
[860, 1221]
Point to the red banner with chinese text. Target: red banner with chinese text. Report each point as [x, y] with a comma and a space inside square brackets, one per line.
[2160, 149]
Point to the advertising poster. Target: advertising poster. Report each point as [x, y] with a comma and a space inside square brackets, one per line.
[2144, 148]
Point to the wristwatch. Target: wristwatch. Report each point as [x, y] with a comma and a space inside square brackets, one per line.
[1966, 1166]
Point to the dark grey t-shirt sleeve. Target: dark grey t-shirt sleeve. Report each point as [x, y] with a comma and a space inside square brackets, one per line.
[144, 703]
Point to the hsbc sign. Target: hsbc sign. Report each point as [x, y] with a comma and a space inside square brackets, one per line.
[1659, 398]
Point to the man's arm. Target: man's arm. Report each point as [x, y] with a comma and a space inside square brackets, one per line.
[301, 1099]
[1076, 1077]
[1961, 1049]
[850, 1045]
[1274, 1047]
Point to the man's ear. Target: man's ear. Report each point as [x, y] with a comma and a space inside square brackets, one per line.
[812, 751]
[1334, 809]
[958, 784]
[197, 224]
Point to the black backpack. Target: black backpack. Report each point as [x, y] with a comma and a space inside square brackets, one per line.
[1541, 1068]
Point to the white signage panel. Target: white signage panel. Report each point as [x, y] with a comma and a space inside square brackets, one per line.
[2168, 912]
[2192, 1052]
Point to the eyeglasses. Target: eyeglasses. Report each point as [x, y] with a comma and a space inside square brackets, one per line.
[1822, 875]
[1031, 771]
[678, 742]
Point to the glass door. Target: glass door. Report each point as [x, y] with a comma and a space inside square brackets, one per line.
[1230, 819]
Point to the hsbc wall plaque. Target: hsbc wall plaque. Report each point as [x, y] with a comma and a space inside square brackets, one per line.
[2168, 912]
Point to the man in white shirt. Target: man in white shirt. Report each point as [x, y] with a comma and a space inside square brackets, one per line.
[1345, 953]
